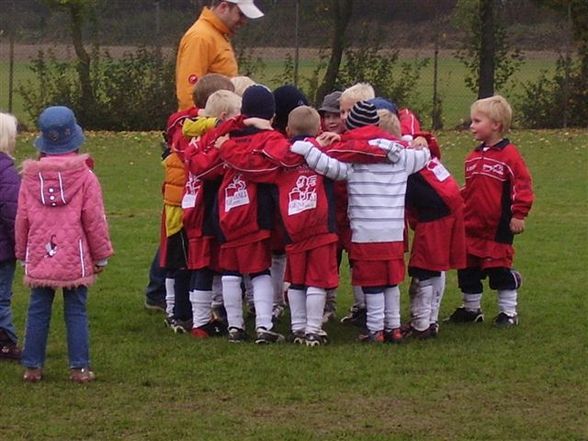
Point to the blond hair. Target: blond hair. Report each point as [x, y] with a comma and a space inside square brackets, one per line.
[8, 129]
[389, 122]
[304, 120]
[222, 101]
[497, 109]
[209, 84]
[358, 92]
[241, 83]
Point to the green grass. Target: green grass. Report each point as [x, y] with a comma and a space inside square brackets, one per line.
[451, 88]
[472, 383]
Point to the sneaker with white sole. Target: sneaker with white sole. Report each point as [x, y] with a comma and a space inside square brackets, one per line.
[463, 315]
[317, 339]
[503, 320]
[357, 317]
[265, 337]
[237, 335]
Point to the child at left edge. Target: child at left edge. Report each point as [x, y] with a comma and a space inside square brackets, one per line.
[9, 186]
[62, 239]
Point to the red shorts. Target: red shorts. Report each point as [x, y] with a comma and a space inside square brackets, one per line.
[439, 245]
[203, 252]
[247, 258]
[377, 264]
[315, 267]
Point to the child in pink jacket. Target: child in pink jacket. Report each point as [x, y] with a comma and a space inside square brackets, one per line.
[61, 238]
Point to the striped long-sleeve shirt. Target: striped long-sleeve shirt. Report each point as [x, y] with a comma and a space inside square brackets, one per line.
[376, 190]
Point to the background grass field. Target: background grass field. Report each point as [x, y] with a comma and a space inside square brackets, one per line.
[472, 383]
[451, 88]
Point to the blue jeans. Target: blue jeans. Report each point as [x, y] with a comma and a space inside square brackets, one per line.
[76, 322]
[6, 278]
[155, 291]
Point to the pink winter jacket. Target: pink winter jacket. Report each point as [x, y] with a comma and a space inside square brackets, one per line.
[61, 229]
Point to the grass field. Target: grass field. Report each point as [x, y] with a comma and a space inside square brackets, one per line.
[452, 90]
[471, 383]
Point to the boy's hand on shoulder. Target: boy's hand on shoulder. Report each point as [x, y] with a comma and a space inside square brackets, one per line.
[419, 143]
[218, 142]
[517, 226]
[327, 138]
[259, 123]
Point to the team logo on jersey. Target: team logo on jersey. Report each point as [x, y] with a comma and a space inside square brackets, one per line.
[236, 193]
[192, 79]
[493, 169]
[303, 196]
[191, 191]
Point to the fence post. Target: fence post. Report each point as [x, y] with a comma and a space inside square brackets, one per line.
[297, 44]
[11, 58]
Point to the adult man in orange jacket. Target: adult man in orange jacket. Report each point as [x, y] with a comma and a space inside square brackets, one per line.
[206, 47]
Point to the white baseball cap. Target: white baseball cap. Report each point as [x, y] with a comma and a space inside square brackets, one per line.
[248, 8]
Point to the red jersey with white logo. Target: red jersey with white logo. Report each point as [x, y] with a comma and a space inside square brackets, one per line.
[497, 188]
[305, 198]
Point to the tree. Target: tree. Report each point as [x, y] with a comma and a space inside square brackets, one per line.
[79, 11]
[341, 13]
[485, 50]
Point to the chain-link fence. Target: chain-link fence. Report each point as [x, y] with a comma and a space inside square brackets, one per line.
[290, 43]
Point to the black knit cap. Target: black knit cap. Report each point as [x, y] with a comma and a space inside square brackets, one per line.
[287, 98]
[362, 114]
[258, 101]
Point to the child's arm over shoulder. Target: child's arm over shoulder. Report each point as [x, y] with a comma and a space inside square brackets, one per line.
[414, 160]
[321, 162]
[198, 126]
[254, 165]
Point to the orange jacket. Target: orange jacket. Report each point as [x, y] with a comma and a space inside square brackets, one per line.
[204, 48]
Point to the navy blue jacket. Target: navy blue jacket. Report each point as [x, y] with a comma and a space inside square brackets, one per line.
[9, 186]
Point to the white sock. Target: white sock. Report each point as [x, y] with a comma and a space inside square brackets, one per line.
[201, 302]
[392, 308]
[297, 301]
[170, 296]
[375, 311]
[233, 301]
[438, 291]
[263, 297]
[471, 302]
[420, 305]
[217, 290]
[277, 271]
[507, 301]
[358, 297]
[315, 305]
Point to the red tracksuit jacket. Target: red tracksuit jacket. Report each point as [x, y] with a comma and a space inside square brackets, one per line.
[497, 188]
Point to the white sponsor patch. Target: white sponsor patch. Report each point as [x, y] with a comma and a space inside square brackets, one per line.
[236, 194]
[303, 196]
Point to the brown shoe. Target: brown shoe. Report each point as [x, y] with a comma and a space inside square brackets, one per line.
[10, 351]
[33, 375]
[81, 375]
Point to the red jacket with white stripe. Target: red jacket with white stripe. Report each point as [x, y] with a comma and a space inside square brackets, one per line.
[305, 198]
[497, 188]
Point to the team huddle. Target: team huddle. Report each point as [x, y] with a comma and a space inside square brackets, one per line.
[263, 193]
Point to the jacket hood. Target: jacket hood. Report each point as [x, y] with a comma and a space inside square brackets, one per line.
[54, 180]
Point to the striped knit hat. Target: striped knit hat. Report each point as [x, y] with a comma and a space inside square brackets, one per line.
[362, 114]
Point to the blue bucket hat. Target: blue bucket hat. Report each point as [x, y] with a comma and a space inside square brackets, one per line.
[60, 132]
[382, 103]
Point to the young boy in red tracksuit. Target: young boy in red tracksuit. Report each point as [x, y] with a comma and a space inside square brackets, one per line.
[498, 195]
[246, 213]
[204, 176]
[307, 208]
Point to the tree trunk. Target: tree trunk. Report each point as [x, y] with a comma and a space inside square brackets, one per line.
[77, 21]
[342, 10]
[487, 48]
